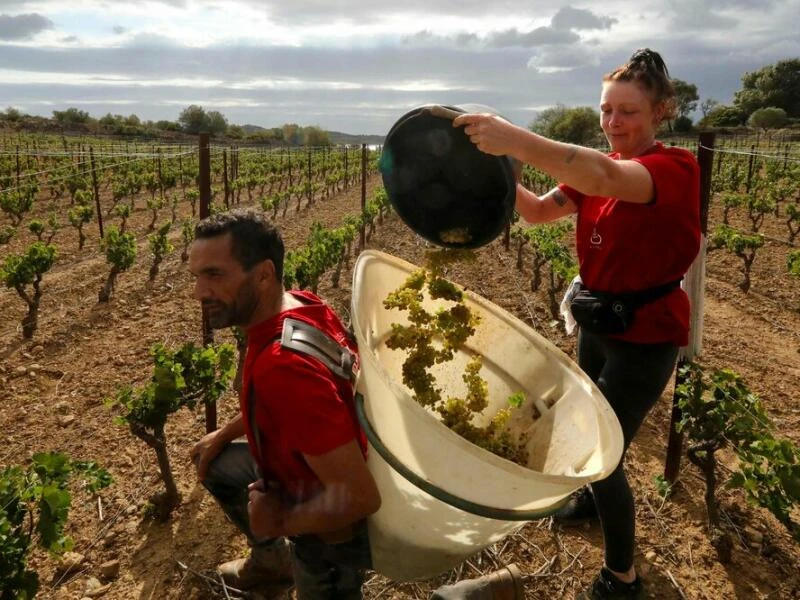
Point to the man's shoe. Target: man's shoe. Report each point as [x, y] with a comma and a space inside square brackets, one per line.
[606, 586]
[267, 565]
[580, 508]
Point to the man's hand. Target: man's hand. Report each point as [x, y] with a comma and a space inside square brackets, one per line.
[206, 450]
[264, 510]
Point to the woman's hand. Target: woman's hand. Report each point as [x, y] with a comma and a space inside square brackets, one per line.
[264, 510]
[490, 133]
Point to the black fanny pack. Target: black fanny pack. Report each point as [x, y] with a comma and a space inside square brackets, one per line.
[605, 313]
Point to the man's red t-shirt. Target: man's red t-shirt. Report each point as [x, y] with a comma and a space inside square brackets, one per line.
[628, 247]
[300, 406]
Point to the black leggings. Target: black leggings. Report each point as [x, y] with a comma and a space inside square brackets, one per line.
[632, 378]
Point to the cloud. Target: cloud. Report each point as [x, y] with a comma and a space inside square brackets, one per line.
[577, 18]
[540, 36]
[509, 38]
[551, 60]
[23, 27]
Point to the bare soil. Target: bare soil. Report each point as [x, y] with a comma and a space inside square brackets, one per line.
[52, 390]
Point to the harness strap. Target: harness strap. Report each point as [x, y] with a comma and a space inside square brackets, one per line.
[307, 339]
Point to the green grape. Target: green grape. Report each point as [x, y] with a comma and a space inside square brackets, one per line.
[451, 326]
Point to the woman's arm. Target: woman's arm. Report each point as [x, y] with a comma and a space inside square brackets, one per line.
[553, 205]
[588, 171]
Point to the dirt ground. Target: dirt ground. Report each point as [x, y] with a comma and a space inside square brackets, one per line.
[52, 390]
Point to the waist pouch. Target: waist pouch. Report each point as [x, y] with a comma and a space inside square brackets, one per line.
[605, 313]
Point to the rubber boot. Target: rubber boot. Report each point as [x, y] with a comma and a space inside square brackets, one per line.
[266, 566]
[503, 584]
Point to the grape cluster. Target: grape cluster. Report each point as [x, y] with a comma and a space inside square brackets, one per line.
[450, 328]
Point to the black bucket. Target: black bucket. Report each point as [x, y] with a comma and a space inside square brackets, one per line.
[440, 184]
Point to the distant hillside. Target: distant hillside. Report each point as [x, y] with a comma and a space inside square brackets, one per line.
[337, 137]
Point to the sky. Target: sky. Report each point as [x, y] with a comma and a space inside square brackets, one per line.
[358, 66]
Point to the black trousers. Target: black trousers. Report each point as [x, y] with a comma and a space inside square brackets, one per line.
[632, 377]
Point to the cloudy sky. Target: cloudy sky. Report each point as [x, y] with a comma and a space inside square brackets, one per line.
[358, 65]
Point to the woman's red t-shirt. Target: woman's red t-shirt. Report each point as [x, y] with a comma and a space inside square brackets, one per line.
[628, 247]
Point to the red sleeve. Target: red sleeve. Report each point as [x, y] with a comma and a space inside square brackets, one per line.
[305, 402]
[571, 193]
[675, 174]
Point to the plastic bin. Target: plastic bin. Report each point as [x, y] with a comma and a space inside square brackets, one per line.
[444, 498]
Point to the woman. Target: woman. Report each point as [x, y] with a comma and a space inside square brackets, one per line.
[638, 231]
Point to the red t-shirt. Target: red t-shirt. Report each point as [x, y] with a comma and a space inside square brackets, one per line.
[627, 247]
[300, 406]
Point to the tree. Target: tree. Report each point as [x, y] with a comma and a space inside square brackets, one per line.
[20, 271]
[291, 134]
[686, 97]
[12, 114]
[181, 377]
[235, 131]
[708, 105]
[216, 122]
[775, 85]
[71, 116]
[580, 125]
[724, 116]
[768, 118]
[315, 136]
[193, 119]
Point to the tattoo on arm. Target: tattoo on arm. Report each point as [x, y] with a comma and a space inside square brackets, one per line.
[559, 197]
[571, 153]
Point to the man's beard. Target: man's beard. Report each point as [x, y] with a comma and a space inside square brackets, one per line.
[222, 315]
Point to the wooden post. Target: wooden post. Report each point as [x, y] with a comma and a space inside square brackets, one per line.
[225, 185]
[362, 236]
[160, 177]
[308, 183]
[694, 284]
[750, 167]
[204, 156]
[96, 194]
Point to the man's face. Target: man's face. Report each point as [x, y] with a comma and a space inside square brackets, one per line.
[229, 294]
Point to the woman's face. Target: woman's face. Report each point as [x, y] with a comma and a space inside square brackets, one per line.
[628, 117]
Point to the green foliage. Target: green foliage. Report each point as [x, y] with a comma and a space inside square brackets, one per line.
[686, 97]
[78, 216]
[769, 117]
[160, 246]
[71, 116]
[579, 125]
[194, 119]
[775, 85]
[724, 116]
[119, 248]
[742, 245]
[718, 409]
[34, 505]
[36, 227]
[793, 263]
[6, 233]
[663, 487]
[181, 377]
[21, 270]
[15, 203]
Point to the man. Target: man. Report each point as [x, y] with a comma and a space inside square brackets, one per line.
[307, 479]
